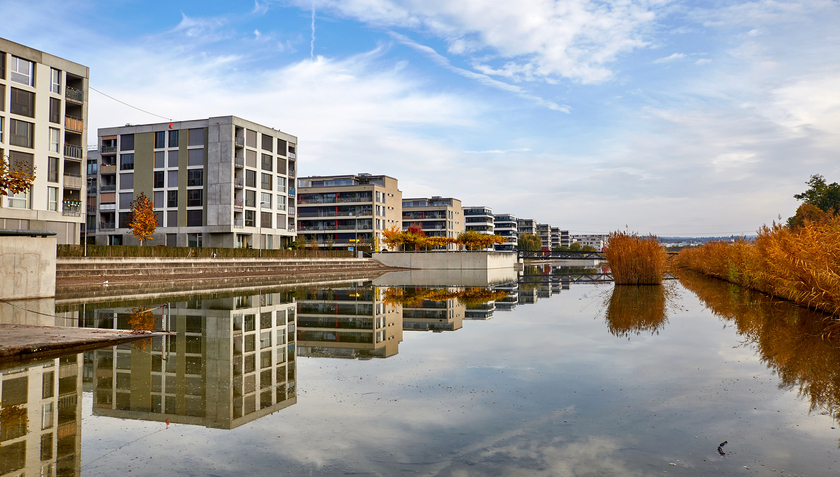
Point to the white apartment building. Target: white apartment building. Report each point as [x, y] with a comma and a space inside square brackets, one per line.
[479, 219]
[43, 124]
[436, 216]
[506, 226]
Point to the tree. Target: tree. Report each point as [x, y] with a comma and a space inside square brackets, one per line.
[143, 220]
[575, 247]
[473, 240]
[825, 197]
[529, 243]
[14, 180]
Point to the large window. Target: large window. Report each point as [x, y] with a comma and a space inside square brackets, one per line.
[195, 157]
[250, 138]
[250, 216]
[160, 139]
[158, 181]
[54, 139]
[194, 218]
[52, 198]
[125, 200]
[55, 110]
[173, 179]
[265, 219]
[250, 198]
[267, 159]
[196, 137]
[127, 181]
[21, 133]
[281, 202]
[281, 147]
[172, 198]
[195, 177]
[250, 178]
[23, 71]
[267, 143]
[173, 138]
[159, 202]
[281, 184]
[2, 92]
[52, 169]
[159, 159]
[194, 198]
[126, 162]
[19, 200]
[22, 103]
[265, 181]
[126, 142]
[173, 158]
[55, 81]
[265, 200]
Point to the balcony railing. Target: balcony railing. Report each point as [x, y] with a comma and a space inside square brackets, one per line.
[109, 149]
[75, 152]
[239, 141]
[72, 208]
[91, 209]
[309, 213]
[108, 169]
[292, 156]
[74, 124]
[107, 207]
[72, 181]
[315, 228]
[238, 224]
[106, 225]
[237, 204]
[239, 161]
[74, 94]
[108, 188]
[238, 182]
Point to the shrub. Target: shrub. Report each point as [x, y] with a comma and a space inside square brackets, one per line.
[636, 260]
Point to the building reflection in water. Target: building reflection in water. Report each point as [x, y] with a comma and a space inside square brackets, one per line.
[802, 346]
[352, 322]
[436, 315]
[632, 309]
[40, 418]
[230, 361]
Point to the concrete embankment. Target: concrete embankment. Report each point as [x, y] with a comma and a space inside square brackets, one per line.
[99, 277]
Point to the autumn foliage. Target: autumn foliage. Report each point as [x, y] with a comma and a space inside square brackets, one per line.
[414, 297]
[15, 180]
[636, 260]
[143, 221]
[800, 263]
[415, 239]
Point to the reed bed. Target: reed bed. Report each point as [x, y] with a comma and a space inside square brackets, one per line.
[636, 260]
[633, 310]
[800, 264]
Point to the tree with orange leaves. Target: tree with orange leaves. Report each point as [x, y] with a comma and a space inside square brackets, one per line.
[14, 180]
[143, 221]
[392, 236]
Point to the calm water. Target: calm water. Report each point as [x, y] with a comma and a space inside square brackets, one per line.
[544, 379]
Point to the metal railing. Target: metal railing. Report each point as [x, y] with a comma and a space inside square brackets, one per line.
[73, 151]
[74, 94]
[239, 141]
[108, 188]
[239, 161]
[109, 149]
[72, 208]
[237, 204]
[107, 225]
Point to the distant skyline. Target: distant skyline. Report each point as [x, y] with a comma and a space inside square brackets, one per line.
[665, 117]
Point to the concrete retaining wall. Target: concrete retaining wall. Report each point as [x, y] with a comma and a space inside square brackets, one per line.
[27, 267]
[447, 260]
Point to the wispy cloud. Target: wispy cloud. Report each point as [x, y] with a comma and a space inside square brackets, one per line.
[668, 59]
[499, 151]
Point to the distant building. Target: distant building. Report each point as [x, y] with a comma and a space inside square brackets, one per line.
[436, 216]
[505, 226]
[526, 226]
[544, 232]
[44, 99]
[479, 219]
[555, 237]
[216, 182]
[347, 210]
[598, 242]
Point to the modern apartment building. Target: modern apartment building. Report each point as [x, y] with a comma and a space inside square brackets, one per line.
[349, 323]
[43, 124]
[598, 242]
[436, 216]
[565, 238]
[348, 210]
[479, 219]
[555, 237]
[505, 225]
[216, 182]
[544, 232]
[526, 226]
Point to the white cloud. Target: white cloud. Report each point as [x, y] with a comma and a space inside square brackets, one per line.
[703, 61]
[668, 59]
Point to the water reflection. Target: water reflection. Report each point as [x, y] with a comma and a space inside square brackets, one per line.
[636, 309]
[40, 418]
[802, 346]
[228, 361]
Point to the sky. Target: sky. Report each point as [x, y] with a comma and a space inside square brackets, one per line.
[654, 116]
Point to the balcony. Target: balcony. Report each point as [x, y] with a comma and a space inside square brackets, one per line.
[91, 209]
[72, 208]
[106, 225]
[238, 182]
[72, 181]
[108, 188]
[108, 169]
[74, 94]
[321, 227]
[292, 156]
[74, 152]
[108, 149]
[239, 162]
[237, 204]
[310, 213]
[107, 207]
[238, 224]
[239, 141]
[74, 124]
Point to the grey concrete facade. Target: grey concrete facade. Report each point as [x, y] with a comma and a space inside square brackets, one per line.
[27, 267]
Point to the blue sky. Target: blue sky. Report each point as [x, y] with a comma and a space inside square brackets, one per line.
[665, 117]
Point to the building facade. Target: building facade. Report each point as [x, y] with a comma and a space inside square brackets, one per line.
[346, 211]
[598, 242]
[436, 216]
[544, 232]
[479, 219]
[43, 124]
[216, 182]
[526, 226]
[505, 225]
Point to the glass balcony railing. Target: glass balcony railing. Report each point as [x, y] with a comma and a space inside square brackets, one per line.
[74, 94]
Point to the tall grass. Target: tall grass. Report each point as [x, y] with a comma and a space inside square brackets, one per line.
[636, 260]
[633, 310]
[133, 251]
[801, 265]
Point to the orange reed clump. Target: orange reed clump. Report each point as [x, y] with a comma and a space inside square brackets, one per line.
[636, 260]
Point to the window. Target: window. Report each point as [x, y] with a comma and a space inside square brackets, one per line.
[195, 177]
[250, 198]
[250, 218]
[55, 110]
[173, 158]
[266, 181]
[267, 159]
[160, 139]
[21, 133]
[250, 138]
[23, 71]
[52, 169]
[159, 218]
[158, 201]
[194, 240]
[265, 200]
[127, 181]
[250, 178]
[265, 219]
[2, 92]
[19, 200]
[126, 162]
[55, 81]
[281, 202]
[159, 159]
[194, 198]
[172, 198]
[158, 183]
[194, 219]
[173, 179]
[281, 165]
[250, 158]
[52, 198]
[1, 126]
[172, 218]
[281, 184]
[22, 103]
[195, 157]
[281, 221]
[125, 200]
[267, 143]
[54, 135]
[126, 142]
[124, 220]
[2, 65]
[173, 138]
[281, 147]
[196, 137]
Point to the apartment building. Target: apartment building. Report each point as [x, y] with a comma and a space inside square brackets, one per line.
[526, 226]
[43, 124]
[436, 216]
[544, 232]
[230, 361]
[348, 210]
[479, 219]
[555, 237]
[349, 323]
[217, 182]
[505, 225]
[598, 242]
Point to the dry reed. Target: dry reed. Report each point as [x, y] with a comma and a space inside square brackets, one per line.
[633, 310]
[801, 265]
[636, 260]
